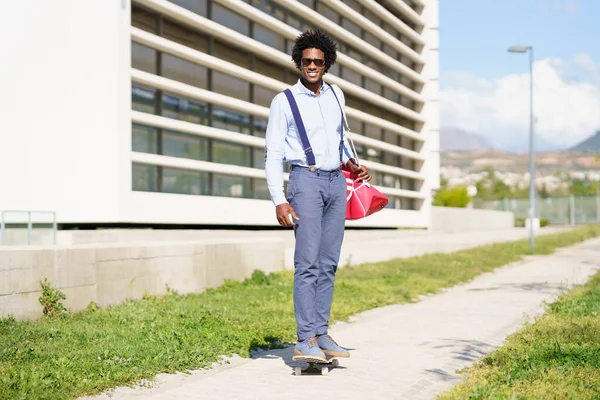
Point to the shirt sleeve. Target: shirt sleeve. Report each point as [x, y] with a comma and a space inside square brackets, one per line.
[347, 150]
[275, 151]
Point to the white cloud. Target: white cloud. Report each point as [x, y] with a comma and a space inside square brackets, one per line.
[566, 98]
[558, 6]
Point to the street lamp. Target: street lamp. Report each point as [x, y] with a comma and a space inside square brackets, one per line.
[525, 49]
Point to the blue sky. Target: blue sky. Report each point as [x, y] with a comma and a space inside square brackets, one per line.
[474, 34]
[485, 89]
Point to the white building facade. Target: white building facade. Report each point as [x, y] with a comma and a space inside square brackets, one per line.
[154, 112]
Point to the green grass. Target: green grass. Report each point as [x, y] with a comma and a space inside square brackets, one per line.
[556, 357]
[91, 351]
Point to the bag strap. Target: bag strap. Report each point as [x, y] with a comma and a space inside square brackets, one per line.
[346, 128]
[310, 157]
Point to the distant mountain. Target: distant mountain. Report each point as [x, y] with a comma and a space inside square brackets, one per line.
[455, 139]
[590, 144]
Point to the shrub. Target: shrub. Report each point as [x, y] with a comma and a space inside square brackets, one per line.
[456, 196]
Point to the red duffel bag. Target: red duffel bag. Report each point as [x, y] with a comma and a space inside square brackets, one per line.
[362, 198]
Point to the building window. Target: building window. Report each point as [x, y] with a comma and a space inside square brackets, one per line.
[143, 99]
[230, 19]
[143, 19]
[261, 191]
[268, 37]
[263, 97]
[144, 177]
[182, 181]
[231, 120]
[184, 71]
[143, 58]
[195, 6]
[230, 86]
[184, 36]
[144, 139]
[185, 110]
[230, 186]
[230, 153]
[183, 145]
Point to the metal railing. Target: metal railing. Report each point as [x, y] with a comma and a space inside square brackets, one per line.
[557, 210]
[30, 222]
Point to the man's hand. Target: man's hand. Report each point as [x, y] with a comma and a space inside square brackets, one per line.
[283, 212]
[361, 171]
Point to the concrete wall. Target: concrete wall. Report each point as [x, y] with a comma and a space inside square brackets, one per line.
[470, 219]
[111, 273]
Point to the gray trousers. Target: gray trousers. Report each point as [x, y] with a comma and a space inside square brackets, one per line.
[319, 199]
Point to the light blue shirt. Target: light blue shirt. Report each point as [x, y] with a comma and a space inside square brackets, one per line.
[323, 123]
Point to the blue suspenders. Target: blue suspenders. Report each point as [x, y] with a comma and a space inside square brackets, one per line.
[310, 157]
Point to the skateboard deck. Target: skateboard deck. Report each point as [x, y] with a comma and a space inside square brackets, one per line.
[316, 366]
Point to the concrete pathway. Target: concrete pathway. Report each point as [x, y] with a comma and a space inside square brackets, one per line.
[408, 351]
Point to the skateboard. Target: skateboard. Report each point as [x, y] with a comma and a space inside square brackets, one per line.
[316, 366]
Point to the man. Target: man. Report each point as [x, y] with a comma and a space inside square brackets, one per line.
[315, 205]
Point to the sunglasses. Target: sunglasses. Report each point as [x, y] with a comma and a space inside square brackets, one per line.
[319, 62]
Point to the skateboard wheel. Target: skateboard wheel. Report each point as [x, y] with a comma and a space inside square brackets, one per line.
[324, 370]
[335, 363]
[298, 371]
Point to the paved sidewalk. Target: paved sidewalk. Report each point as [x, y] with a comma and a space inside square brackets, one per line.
[408, 351]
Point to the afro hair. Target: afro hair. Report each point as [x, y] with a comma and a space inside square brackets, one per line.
[315, 39]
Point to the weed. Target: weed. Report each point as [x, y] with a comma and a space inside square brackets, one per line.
[52, 299]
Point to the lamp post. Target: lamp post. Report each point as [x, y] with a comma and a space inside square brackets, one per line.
[529, 49]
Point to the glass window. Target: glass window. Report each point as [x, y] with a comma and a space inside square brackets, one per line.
[230, 19]
[391, 159]
[183, 145]
[184, 71]
[230, 86]
[144, 138]
[354, 124]
[328, 13]
[143, 19]
[258, 158]
[196, 6]
[263, 97]
[269, 7]
[390, 94]
[355, 5]
[372, 40]
[230, 120]
[354, 102]
[372, 86]
[184, 182]
[268, 68]
[298, 23]
[308, 3]
[231, 54]
[268, 37]
[184, 109]
[372, 17]
[143, 58]
[230, 153]
[372, 131]
[260, 127]
[261, 191]
[351, 76]
[230, 186]
[143, 177]
[390, 51]
[351, 27]
[185, 36]
[143, 99]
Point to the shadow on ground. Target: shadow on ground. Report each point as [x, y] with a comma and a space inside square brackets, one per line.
[285, 355]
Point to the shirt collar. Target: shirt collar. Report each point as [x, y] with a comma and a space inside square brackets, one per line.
[299, 88]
